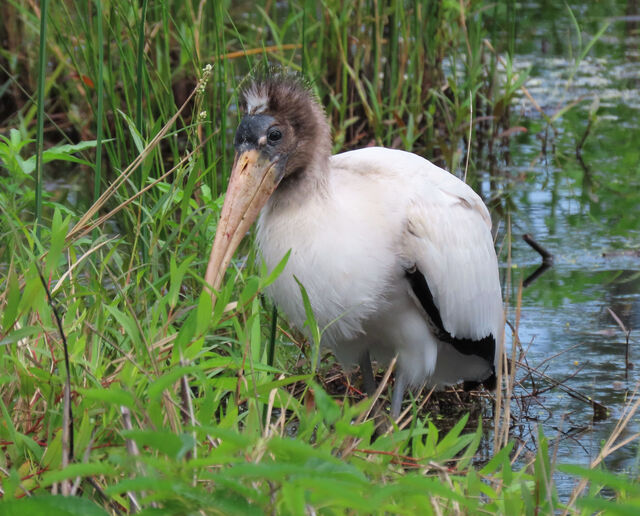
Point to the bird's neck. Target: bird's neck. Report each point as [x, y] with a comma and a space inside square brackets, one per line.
[308, 171]
[302, 185]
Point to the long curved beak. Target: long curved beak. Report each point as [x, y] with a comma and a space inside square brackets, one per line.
[254, 177]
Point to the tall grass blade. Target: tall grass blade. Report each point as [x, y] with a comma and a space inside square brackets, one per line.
[140, 73]
[139, 122]
[42, 69]
[97, 177]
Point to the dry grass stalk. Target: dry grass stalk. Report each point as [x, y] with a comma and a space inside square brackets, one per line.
[499, 439]
[81, 228]
[611, 445]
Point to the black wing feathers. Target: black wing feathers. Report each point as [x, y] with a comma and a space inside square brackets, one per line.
[484, 348]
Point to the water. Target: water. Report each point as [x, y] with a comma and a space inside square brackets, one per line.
[586, 211]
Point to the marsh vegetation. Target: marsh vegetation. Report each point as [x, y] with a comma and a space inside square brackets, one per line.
[124, 389]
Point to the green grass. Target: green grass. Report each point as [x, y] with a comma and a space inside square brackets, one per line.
[179, 407]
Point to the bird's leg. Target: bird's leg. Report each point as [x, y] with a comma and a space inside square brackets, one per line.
[397, 395]
[367, 374]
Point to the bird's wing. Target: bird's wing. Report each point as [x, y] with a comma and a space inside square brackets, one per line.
[451, 263]
[445, 242]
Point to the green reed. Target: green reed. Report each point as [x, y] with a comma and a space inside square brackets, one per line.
[42, 77]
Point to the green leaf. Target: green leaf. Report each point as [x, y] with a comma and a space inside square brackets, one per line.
[326, 405]
[249, 291]
[311, 324]
[176, 276]
[112, 395]
[135, 134]
[471, 450]
[168, 379]
[172, 445]
[616, 481]
[452, 443]
[186, 333]
[18, 335]
[203, 313]
[50, 504]
[77, 470]
[126, 321]
[497, 460]
[277, 270]
[73, 147]
[609, 507]
[13, 301]
[59, 229]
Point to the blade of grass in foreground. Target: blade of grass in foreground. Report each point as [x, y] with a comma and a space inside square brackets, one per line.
[139, 125]
[100, 112]
[42, 67]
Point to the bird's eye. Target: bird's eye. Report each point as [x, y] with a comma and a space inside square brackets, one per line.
[274, 136]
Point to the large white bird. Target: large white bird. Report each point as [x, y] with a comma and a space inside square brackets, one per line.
[395, 253]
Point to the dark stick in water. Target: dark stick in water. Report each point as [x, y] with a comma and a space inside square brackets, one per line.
[547, 257]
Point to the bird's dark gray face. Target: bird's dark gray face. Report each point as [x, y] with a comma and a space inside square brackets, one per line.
[265, 134]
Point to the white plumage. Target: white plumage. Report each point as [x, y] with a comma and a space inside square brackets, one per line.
[386, 211]
[395, 253]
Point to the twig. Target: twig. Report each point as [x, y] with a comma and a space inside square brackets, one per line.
[627, 352]
[261, 50]
[186, 411]
[402, 424]
[381, 387]
[584, 137]
[133, 450]
[502, 369]
[85, 459]
[556, 355]
[105, 497]
[79, 230]
[78, 262]
[547, 257]
[67, 425]
[600, 411]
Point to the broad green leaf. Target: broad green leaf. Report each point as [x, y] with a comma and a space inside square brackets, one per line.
[250, 290]
[126, 321]
[165, 442]
[168, 379]
[112, 395]
[18, 335]
[203, 313]
[59, 229]
[51, 505]
[497, 460]
[77, 470]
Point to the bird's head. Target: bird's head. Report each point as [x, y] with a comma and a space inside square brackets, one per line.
[282, 138]
[284, 124]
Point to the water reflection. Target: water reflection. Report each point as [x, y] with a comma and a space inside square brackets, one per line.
[579, 197]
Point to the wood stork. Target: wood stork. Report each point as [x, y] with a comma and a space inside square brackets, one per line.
[395, 253]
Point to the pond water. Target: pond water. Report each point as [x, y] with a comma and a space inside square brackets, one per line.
[585, 210]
